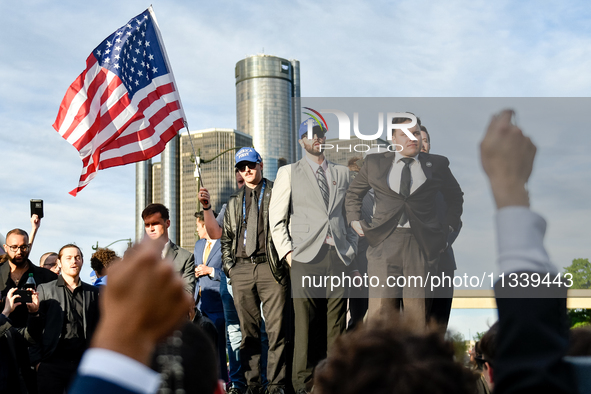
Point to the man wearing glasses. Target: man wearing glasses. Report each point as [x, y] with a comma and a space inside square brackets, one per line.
[311, 233]
[257, 274]
[14, 274]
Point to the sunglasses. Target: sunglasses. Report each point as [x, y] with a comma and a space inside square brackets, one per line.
[242, 166]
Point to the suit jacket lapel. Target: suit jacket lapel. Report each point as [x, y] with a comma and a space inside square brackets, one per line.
[426, 165]
[308, 173]
[214, 250]
[333, 186]
[199, 250]
[4, 274]
[172, 252]
[384, 167]
[86, 302]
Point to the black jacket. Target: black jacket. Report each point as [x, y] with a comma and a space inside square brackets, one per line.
[431, 233]
[46, 328]
[229, 242]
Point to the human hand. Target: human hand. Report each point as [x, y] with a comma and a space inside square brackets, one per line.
[204, 197]
[202, 270]
[35, 222]
[10, 302]
[507, 158]
[33, 307]
[355, 225]
[137, 313]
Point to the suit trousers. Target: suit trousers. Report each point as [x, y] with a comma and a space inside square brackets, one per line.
[320, 314]
[402, 269]
[251, 285]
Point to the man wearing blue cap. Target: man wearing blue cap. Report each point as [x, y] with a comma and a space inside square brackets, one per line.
[257, 274]
[309, 229]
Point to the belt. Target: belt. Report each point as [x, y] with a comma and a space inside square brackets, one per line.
[252, 259]
[329, 247]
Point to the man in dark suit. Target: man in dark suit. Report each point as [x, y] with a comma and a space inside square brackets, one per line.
[157, 221]
[208, 269]
[443, 296]
[406, 238]
[68, 315]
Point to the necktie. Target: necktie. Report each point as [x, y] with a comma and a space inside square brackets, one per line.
[206, 252]
[405, 185]
[251, 226]
[323, 185]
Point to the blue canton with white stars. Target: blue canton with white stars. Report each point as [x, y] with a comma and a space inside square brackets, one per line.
[133, 53]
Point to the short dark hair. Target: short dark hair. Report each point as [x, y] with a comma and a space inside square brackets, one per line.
[385, 356]
[488, 344]
[399, 120]
[156, 208]
[17, 231]
[200, 216]
[579, 343]
[423, 128]
[102, 258]
[352, 163]
[47, 255]
[69, 246]
[198, 358]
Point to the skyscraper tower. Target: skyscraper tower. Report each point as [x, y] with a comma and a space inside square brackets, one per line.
[265, 107]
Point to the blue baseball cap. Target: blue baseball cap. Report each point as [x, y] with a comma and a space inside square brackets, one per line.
[316, 128]
[248, 154]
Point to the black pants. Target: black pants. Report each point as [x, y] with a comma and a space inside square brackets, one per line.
[253, 284]
[55, 376]
[320, 314]
[442, 300]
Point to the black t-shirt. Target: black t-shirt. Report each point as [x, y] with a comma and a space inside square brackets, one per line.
[41, 275]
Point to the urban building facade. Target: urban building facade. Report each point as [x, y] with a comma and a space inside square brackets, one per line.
[266, 108]
[341, 151]
[217, 176]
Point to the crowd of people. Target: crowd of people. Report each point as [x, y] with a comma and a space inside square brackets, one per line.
[235, 314]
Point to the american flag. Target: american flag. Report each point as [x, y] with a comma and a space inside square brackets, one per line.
[124, 107]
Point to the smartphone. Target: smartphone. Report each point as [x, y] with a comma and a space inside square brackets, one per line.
[37, 208]
[25, 296]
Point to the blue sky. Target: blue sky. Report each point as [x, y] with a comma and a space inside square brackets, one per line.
[346, 49]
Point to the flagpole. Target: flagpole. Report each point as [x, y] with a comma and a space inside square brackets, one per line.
[163, 48]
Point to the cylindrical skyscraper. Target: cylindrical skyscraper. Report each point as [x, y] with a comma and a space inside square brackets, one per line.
[170, 178]
[265, 88]
[143, 194]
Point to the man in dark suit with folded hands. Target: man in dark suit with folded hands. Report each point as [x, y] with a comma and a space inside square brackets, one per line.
[157, 221]
[406, 238]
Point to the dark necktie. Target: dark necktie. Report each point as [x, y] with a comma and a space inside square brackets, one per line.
[405, 185]
[251, 226]
[323, 185]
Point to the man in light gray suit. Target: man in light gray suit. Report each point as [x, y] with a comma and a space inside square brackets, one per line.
[309, 230]
[157, 221]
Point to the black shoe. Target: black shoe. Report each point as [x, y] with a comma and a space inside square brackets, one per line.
[275, 390]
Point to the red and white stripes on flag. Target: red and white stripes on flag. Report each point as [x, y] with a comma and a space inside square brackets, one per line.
[121, 111]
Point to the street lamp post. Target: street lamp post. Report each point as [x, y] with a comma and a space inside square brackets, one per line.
[197, 174]
[95, 247]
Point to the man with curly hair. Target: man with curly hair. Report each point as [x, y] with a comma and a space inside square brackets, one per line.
[100, 262]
